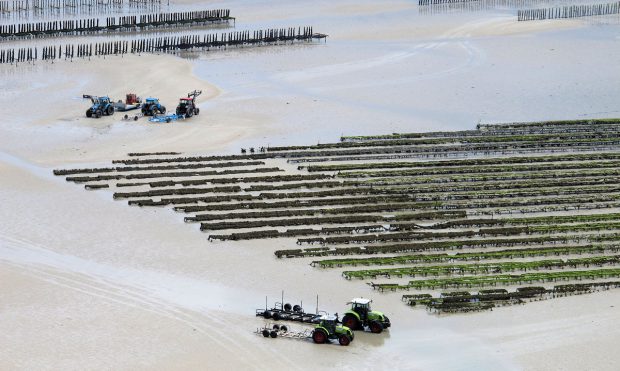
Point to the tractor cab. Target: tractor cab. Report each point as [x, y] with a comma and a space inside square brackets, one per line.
[361, 306]
[329, 323]
[99, 101]
[102, 100]
[183, 102]
[152, 101]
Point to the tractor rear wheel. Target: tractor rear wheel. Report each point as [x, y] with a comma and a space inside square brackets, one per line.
[376, 327]
[344, 339]
[319, 336]
[350, 321]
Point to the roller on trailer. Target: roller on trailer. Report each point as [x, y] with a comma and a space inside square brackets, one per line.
[287, 312]
[133, 117]
[273, 331]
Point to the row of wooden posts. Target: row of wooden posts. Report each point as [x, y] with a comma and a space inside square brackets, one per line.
[7, 6]
[79, 26]
[434, 2]
[571, 11]
[160, 44]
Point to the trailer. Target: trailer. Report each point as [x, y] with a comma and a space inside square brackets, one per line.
[134, 117]
[166, 118]
[288, 312]
[132, 101]
[278, 314]
[273, 331]
[323, 333]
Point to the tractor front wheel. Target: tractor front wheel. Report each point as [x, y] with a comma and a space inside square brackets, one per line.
[89, 113]
[350, 321]
[162, 109]
[110, 110]
[344, 339]
[319, 336]
[376, 327]
[98, 113]
[189, 113]
[197, 111]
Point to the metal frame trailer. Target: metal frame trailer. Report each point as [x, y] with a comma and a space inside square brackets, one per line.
[283, 315]
[288, 312]
[275, 331]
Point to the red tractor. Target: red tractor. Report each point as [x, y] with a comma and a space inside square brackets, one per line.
[187, 106]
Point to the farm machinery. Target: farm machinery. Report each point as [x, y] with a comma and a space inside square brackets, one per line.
[187, 106]
[132, 101]
[361, 316]
[151, 107]
[326, 327]
[324, 332]
[100, 106]
[286, 312]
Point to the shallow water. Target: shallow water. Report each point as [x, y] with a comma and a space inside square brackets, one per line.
[155, 293]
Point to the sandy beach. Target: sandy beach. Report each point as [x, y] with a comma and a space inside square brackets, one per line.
[87, 282]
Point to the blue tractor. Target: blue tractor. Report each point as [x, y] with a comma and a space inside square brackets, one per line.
[151, 107]
[100, 106]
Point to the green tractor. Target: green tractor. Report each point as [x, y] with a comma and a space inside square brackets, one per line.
[328, 329]
[360, 316]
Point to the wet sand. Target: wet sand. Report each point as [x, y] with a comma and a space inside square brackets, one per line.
[89, 283]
